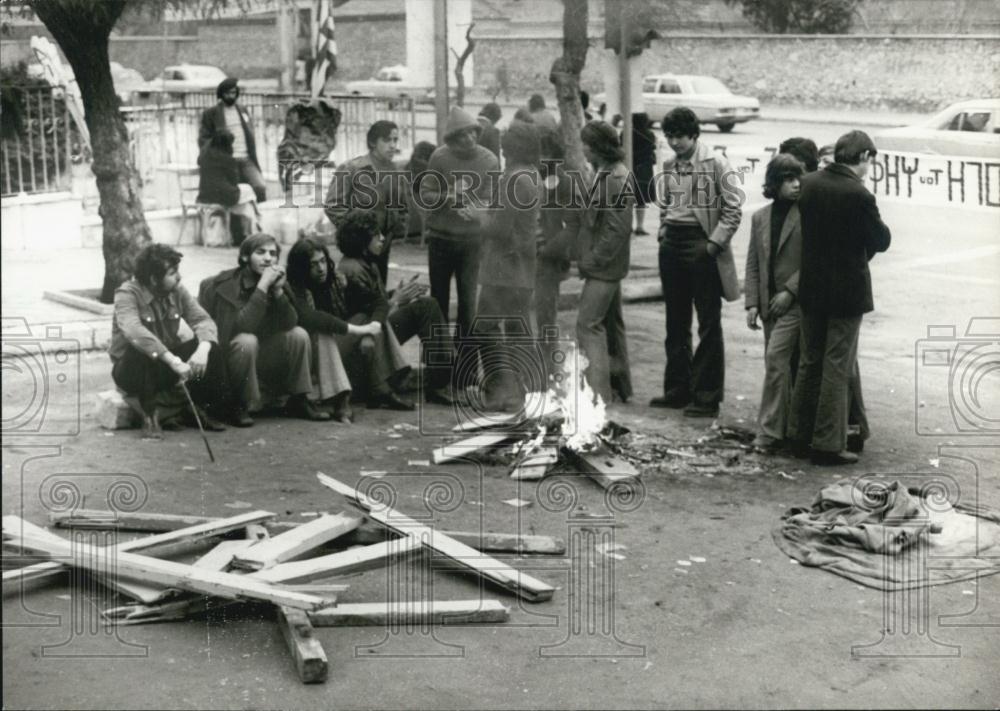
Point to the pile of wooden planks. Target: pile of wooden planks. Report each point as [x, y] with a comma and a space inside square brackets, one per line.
[284, 564]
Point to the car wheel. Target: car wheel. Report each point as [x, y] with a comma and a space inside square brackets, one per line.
[726, 127]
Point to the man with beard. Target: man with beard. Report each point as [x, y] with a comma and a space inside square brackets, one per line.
[227, 115]
[148, 355]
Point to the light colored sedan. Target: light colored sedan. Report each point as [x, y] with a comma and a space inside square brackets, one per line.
[968, 128]
[184, 78]
[391, 82]
[709, 98]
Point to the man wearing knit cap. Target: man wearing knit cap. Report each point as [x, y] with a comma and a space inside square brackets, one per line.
[490, 135]
[227, 115]
[457, 181]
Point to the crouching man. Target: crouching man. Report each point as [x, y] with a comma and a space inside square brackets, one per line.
[258, 325]
[149, 359]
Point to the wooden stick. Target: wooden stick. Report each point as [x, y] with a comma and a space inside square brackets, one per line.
[430, 612]
[472, 445]
[290, 544]
[351, 561]
[307, 652]
[177, 575]
[221, 556]
[490, 568]
[186, 535]
[489, 542]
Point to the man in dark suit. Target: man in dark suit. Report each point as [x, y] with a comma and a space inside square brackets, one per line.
[841, 231]
[227, 115]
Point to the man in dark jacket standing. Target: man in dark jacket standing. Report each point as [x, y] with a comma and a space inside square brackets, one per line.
[227, 115]
[841, 231]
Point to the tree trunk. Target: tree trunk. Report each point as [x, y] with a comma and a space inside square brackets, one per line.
[470, 46]
[82, 29]
[565, 75]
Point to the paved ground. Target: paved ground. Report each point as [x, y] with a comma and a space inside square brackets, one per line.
[745, 628]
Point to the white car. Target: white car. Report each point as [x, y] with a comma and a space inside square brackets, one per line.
[390, 82]
[968, 128]
[184, 78]
[709, 98]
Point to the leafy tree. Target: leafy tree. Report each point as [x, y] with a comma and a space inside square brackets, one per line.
[799, 16]
[82, 29]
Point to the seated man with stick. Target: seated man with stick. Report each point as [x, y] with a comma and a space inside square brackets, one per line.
[149, 358]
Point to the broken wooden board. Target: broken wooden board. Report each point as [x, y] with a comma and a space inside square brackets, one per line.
[477, 424]
[290, 544]
[535, 464]
[188, 534]
[310, 659]
[133, 589]
[489, 568]
[421, 612]
[483, 541]
[175, 575]
[604, 468]
[125, 520]
[472, 445]
[220, 557]
[346, 562]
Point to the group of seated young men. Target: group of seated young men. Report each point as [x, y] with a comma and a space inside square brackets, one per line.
[303, 337]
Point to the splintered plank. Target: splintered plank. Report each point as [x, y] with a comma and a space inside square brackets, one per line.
[125, 520]
[477, 424]
[310, 659]
[430, 612]
[535, 464]
[472, 445]
[220, 557]
[489, 568]
[604, 468]
[188, 534]
[288, 545]
[482, 541]
[175, 575]
[143, 593]
[346, 562]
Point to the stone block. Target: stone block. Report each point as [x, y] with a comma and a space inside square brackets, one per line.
[113, 413]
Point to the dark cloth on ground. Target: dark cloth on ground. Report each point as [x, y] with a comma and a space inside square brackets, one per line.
[875, 533]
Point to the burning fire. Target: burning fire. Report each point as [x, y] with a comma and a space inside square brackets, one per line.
[581, 409]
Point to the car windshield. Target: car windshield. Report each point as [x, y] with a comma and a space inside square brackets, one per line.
[708, 85]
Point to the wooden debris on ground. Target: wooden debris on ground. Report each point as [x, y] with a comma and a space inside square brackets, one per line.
[471, 446]
[290, 544]
[601, 466]
[489, 568]
[418, 612]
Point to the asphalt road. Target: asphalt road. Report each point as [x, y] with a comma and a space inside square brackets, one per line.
[745, 628]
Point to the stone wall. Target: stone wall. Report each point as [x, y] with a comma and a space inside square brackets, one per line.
[905, 74]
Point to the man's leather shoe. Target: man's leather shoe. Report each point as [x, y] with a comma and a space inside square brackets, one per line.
[241, 418]
[694, 410]
[390, 401]
[830, 459]
[674, 401]
[343, 413]
[439, 396]
[855, 443]
[208, 423]
[302, 407]
[172, 424]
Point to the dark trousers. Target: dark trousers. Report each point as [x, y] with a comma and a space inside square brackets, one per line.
[459, 259]
[548, 275]
[820, 402]
[139, 375]
[689, 276]
[509, 369]
[422, 317]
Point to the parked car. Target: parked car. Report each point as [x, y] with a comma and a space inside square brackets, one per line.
[184, 78]
[968, 128]
[390, 82]
[709, 98]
